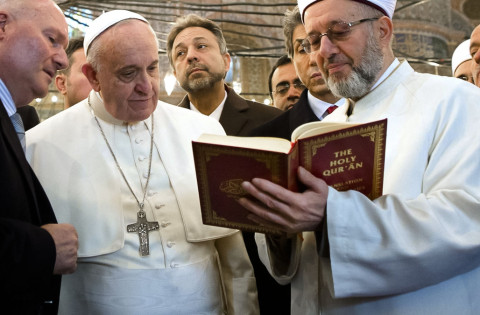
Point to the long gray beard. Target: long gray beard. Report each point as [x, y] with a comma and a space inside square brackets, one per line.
[363, 76]
[202, 83]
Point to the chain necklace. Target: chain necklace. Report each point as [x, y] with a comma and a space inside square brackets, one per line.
[142, 226]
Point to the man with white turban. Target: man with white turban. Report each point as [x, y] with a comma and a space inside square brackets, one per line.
[462, 62]
[119, 167]
[416, 249]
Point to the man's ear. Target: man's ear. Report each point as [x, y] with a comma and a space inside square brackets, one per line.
[91, 75]
[3, 22]
[227, 59]
[61, 83]
[386, 30]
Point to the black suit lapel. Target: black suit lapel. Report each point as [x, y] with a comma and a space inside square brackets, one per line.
[233, 118]
[301, 113]
[14, 147]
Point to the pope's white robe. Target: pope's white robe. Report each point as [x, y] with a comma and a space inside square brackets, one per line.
[192, 268]
[416, 249]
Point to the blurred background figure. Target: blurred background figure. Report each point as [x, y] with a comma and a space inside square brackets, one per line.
[284, 85]
[462, 62]
[71, 82]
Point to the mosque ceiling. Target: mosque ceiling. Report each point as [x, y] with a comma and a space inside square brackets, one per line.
[253, 28]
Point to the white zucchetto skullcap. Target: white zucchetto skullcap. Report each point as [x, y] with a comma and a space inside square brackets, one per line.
[385, 6]
[460, 55]
[106, 20]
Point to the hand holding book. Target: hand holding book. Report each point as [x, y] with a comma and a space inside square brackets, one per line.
[344, 155]
[292, 212]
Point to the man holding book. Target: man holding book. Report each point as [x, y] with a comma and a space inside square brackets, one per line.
[315, 103]
[414, 250]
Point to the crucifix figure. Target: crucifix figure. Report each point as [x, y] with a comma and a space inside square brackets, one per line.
[142, 227]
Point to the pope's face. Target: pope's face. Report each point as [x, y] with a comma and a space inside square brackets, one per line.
[128, 77]
[197, 60]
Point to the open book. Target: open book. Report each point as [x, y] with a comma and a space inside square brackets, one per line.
[347, 156]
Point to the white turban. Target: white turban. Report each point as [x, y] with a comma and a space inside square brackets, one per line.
[106, 20]
[460, 55]
[385, 6]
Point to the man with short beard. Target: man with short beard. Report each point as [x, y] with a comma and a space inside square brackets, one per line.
[414, 250]
[197, 52]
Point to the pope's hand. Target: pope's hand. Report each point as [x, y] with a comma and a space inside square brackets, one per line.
[66, 243]
[281, 208]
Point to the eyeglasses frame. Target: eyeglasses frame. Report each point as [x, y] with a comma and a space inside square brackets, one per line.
[307, 45]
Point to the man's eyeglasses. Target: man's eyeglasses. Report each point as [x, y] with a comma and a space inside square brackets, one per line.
[336, 32]
[282, 88]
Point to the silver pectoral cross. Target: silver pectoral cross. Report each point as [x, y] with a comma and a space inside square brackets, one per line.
[142, 227]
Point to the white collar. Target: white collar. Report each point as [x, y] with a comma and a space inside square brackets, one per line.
[387, 72]
[99, 110]
[319, 107]
[216, 113]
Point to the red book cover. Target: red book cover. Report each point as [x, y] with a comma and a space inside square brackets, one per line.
[350, 157]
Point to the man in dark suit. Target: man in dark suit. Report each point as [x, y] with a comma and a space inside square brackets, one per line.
[34, 250]
[316, 100]
[198, 55]
[197, 52]
[284, 85]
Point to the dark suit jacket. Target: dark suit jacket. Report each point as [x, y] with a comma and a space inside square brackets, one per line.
[27, 252]
[29, 116]
[283, 125]
[239, 117]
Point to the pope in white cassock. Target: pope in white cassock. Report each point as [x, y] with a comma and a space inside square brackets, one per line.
[416, 249]
[119, 167]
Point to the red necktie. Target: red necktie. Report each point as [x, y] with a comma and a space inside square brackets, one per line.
[331, 109]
